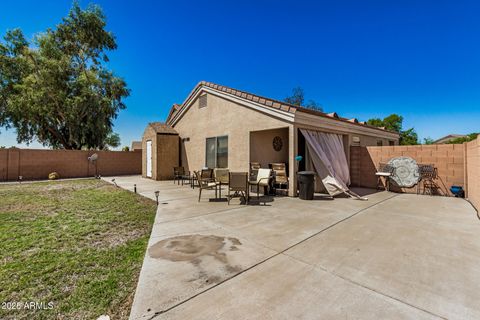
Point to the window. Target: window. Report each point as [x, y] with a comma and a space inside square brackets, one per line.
[216, 152]
[391, 143]
[202, 101]
[379, 143]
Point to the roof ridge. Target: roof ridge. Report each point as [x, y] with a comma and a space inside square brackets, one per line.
[273, 103]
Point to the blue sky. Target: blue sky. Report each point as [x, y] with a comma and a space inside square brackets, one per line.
[361, 59]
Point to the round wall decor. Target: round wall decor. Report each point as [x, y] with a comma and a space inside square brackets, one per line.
[277, 143]
[406, 172]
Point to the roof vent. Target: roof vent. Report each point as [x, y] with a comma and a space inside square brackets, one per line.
[202, 101]
[354, 120]
[333, 115]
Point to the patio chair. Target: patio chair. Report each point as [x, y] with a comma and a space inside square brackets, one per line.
[221, 177]
[205, 184]
[428, 175]
[180, 174]
[205, 174]
[262, 180]
[238, 183]
[254, 166]
[280, 178]
[385, 171]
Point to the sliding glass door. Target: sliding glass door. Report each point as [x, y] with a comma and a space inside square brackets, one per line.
[216, 152]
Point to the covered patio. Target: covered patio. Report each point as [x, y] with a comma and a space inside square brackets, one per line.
[397, 256]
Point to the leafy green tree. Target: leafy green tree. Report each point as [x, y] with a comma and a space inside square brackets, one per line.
[111, 141]
[298, 98]
[468, 138]
[57, 89]
[428, 140]
[394, 122]
[408, 137]
[126, 148]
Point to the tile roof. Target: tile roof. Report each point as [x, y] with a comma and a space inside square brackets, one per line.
[272, 103]
[161, 127]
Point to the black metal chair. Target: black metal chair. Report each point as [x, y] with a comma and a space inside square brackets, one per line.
[428, 177]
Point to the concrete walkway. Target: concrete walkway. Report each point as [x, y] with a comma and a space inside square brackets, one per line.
[396, 256]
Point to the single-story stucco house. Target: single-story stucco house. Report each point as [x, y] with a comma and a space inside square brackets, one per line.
[217, 126]
[449, 138]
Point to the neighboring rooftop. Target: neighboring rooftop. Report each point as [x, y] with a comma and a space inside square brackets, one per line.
[448, 138]
[161, 127]
[136, 145]
[276, 104]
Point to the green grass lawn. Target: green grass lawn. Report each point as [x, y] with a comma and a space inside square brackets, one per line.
[78, 244]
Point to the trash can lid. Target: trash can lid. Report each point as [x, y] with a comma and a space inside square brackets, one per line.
[306, 173]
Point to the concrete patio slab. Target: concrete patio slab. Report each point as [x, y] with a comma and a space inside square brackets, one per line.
[289, 221]
[285, 288]
[393, 256]
[425, 253]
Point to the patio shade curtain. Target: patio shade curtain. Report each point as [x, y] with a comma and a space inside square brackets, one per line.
[327, 154]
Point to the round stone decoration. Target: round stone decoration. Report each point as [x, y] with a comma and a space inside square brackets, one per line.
[406, 173]
[277, 143]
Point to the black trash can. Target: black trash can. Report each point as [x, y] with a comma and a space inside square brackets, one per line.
[306, 184]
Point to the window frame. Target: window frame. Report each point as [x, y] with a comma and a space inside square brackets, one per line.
[216, 150]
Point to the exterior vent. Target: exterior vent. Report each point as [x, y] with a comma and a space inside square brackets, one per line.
[202, 101]
[333, 115]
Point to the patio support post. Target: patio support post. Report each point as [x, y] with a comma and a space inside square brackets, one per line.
[292, 152]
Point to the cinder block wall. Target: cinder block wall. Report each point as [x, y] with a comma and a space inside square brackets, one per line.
[448, 158]
[473, 172]
[34, 164]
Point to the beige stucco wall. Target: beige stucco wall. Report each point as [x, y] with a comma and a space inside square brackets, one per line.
[261, 146]
[366, 141]
[221, 118]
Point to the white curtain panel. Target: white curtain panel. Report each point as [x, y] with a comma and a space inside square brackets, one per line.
[327, 153]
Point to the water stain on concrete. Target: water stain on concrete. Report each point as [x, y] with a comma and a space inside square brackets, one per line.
[195, 249]
[191, 247]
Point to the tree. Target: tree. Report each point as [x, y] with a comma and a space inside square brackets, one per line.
[126, 148]
[408, 137]
[111, 141]
[298, 98]
[428, 140]
[394, 122]
[57, 89]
